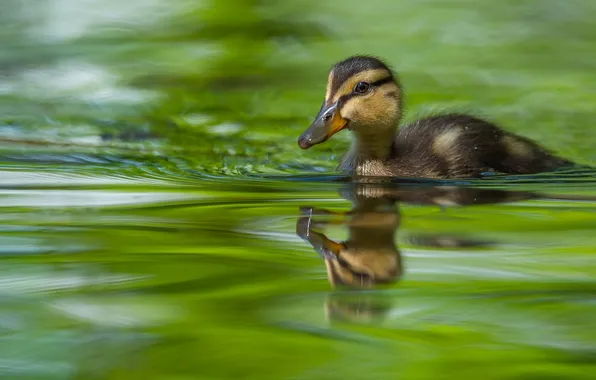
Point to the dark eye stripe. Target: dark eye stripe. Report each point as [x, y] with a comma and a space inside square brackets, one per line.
[382, 81]
[344, 98]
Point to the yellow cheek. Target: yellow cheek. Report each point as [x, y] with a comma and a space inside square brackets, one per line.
[373, 108]
[351, 109]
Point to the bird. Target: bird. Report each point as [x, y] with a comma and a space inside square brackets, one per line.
[365, 96]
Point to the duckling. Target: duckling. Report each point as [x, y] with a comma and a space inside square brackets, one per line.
[365, 96]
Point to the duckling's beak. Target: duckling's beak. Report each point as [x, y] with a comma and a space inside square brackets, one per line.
[327, 123]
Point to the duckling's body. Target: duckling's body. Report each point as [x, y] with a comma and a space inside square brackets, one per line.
[365, 96]
[452, 146]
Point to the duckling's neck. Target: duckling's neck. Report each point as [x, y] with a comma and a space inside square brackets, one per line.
[376, 146]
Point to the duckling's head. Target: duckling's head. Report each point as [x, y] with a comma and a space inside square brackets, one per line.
[362, 95]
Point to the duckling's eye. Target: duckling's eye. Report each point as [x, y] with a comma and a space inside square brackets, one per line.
[361, 88]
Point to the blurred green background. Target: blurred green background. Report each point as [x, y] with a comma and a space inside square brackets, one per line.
[150, 182]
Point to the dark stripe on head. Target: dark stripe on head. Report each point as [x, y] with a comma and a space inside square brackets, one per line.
[347, 68]
[343, 99]
[381, 82]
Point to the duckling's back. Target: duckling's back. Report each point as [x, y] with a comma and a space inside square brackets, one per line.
[455, 145]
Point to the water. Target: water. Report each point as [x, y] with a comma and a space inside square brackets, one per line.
[159, 220]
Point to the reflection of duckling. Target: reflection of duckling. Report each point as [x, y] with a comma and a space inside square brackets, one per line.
[370, 255]
[364, 96]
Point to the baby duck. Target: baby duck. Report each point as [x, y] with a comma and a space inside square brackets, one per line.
[365, 96]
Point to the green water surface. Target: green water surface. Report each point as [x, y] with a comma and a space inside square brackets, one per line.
[152, 193]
